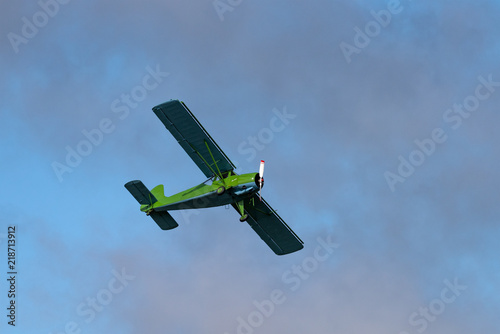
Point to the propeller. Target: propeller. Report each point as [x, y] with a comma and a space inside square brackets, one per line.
[261, 178]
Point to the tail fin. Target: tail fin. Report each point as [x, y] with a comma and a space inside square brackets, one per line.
[145, 197]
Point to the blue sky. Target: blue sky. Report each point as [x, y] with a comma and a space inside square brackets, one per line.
[415, 255]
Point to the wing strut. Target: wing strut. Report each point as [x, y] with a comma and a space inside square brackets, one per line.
[219, 174]
[215, 162]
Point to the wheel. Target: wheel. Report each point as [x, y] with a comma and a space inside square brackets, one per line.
[221, 190]
[244, 217]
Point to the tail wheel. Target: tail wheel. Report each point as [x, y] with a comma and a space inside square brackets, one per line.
[244, 217]
[221, 190]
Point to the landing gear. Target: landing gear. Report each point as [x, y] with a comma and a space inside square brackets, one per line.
[241, 208]
[221, 190]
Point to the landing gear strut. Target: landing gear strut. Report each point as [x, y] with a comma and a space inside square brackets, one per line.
[241, 209]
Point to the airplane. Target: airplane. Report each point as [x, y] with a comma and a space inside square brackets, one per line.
[223, 186]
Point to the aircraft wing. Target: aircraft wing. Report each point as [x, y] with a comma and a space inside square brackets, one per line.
[193, 138]
[270, 227]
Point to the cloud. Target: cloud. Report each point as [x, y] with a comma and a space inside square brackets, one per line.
[325, 170]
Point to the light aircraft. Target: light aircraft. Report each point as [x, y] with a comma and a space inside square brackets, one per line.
[223, 186]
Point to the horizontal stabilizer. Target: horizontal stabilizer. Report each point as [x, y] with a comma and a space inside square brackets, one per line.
[164, 220]
[140, 192]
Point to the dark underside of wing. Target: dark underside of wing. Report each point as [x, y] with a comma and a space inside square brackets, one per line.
[193, 138]
[270, 227]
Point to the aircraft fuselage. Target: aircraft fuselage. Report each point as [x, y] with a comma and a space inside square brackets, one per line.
[236, 188]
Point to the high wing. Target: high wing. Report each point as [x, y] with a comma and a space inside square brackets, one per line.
[270, 227]
[193, 138]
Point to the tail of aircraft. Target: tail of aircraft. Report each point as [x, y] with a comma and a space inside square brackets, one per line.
[145, 197]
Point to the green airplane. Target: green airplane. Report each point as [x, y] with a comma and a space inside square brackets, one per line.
[223, 186]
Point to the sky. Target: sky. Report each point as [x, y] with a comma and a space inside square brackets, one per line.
[378, 122]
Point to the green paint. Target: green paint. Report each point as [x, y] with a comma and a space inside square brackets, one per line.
[205, 193]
